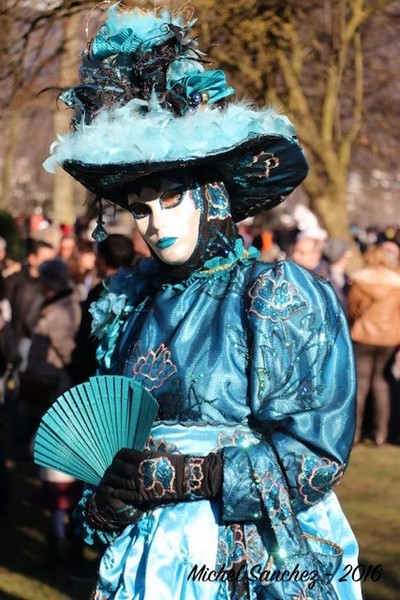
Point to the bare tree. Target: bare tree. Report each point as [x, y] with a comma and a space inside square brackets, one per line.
[310, 58]
[330, 64]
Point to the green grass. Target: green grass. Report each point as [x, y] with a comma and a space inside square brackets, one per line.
[23, 573]
[369, 494]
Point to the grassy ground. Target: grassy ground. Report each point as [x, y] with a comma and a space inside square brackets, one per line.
[369, 494]
[23, 573]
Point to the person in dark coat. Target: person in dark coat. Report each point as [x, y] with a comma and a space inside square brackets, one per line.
[115, 251]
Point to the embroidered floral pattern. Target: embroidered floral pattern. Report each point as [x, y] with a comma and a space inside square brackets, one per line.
[270, 162]
[275, 497]
[121, 296]
[194, 476]
[158, 476]
[243, 439]
[153, 367]
[317, 477]
[217, 201]
[255, 548]
[274, 298]
[156, 445]
[231, 547]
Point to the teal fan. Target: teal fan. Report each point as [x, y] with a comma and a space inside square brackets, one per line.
[86, 426]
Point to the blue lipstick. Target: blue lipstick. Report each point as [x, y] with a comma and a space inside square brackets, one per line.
[166, 242]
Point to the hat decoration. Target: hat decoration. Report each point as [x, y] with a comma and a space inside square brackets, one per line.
[147, 104]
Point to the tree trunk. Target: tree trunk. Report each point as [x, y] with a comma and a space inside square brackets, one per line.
[332, 212]
[64, 185]
[14, 123]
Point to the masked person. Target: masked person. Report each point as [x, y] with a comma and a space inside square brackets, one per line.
[251, 363]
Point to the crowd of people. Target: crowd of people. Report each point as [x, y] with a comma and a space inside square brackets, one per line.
[45, 348]
[370, 297]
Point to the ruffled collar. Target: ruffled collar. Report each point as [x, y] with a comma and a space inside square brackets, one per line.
[130, 288]
[218, 266]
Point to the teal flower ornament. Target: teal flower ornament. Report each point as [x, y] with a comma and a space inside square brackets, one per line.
[107, 312]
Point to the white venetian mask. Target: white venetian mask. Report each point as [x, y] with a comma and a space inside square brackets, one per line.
[167, 219]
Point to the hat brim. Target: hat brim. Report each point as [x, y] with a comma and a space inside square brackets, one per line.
[258, 173]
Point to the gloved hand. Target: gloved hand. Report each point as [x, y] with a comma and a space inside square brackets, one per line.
[138, 480]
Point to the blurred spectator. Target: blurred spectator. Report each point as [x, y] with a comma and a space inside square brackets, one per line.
[24, 293]
[53, 337]
[116, 251]
[269, 250]
[8, 266]
[47, 377]
[82, 268]
[374, 312]
[394, 423]
[393, 253]
[246, 231]
[6, 343]
[336, 251]
[67, 246]
[307, 252]
[6, 347]
[3, 253]
[392, 250]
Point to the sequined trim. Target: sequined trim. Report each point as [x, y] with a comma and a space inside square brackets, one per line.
[160, 445]
[270, 162]
[317, 477]
[217, 201]
[231, 546]
[275, 497]
[157, 475]
[274, 298]
[220, 268]
[242, 439]
[194, 477]
[97, 595]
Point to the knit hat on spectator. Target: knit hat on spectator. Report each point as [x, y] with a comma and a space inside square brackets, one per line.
[54, 274]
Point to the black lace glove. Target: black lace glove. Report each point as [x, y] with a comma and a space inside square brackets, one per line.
[135, 481]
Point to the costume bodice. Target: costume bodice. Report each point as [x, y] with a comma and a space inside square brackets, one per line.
[189, 347]
[240, 341]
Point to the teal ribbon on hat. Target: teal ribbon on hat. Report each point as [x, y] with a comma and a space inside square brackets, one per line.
[104, 45]
[212, 84]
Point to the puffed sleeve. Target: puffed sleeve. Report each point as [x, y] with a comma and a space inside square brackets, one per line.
[301, 394]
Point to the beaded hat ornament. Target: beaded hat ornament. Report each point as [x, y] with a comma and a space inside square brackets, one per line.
[146, 104]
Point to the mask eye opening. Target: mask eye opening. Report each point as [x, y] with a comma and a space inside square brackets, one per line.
[171, 198]
[139, 210]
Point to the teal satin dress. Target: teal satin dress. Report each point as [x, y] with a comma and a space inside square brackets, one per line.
[253, 360]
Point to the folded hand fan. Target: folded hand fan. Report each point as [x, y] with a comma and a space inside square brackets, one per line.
[85, 427]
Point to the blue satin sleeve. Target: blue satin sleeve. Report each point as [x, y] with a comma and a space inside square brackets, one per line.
[301, 393]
